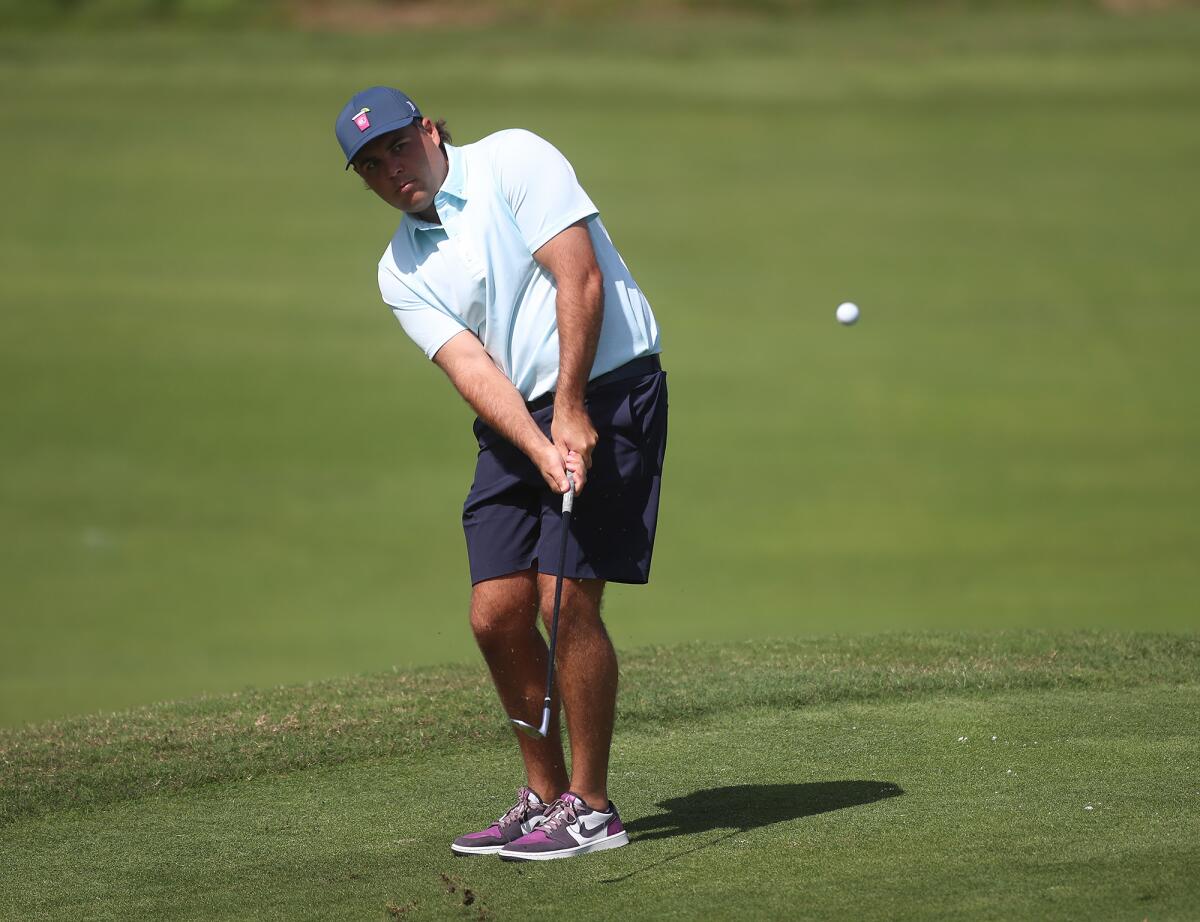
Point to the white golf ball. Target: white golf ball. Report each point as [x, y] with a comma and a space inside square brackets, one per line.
[847, 313]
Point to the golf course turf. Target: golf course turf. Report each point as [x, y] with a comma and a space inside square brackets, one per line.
[921, 640]
[225, 465]
[1019, 775]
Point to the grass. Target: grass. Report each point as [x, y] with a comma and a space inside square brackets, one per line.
[368, 15]
[923, 777]
[224, 465]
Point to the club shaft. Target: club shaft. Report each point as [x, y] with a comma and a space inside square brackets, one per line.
[558, 586]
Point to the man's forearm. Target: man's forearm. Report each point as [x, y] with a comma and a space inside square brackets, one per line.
[580, 312]
[500, 405]
[490, 394]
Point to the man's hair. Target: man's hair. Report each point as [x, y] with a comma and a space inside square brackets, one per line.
[440, 124]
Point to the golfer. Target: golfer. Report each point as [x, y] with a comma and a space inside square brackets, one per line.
[504, 275]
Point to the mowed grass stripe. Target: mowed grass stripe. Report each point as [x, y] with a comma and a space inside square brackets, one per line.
[958, 805]
[176, 746]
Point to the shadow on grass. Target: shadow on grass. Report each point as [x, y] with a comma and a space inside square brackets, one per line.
[742, 807]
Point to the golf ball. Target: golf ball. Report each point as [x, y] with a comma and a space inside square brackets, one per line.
[847, 313]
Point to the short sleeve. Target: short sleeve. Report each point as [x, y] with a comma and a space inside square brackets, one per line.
[425, 325]
[539, 185]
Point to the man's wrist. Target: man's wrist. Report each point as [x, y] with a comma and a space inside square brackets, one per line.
[531, 439]
[568, 399]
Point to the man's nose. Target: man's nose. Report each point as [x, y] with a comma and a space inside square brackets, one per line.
[394, 164]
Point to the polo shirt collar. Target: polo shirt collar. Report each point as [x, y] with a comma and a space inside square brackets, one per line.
[456, 176]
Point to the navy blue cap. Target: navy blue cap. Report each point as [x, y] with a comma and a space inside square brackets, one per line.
[370, 113]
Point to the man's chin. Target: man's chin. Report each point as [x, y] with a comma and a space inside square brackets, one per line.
[415, 205]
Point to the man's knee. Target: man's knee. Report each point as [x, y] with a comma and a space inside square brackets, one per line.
[503, 607]
[580, 602]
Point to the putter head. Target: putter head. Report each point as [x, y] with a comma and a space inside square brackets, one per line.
[538, 733]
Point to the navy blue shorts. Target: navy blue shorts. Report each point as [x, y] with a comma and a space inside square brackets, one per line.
[512, 519]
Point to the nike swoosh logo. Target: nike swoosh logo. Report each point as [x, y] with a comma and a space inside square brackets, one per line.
[589, 832]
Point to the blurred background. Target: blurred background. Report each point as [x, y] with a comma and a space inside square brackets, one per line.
[223, 464]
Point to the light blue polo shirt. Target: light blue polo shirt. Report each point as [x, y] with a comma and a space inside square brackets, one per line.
[503, 198]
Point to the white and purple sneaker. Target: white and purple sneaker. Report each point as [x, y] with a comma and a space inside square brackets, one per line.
[528, 813]
[570, 828]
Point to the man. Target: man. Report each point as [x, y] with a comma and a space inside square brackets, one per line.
[502, 272]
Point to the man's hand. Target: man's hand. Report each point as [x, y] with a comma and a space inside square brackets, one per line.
[572, 431]
[554, 466]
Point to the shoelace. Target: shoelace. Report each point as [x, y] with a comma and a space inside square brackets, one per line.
[519, 811]
[560, 813]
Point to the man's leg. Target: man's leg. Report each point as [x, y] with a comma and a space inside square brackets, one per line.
[586, 680]
[504, 619]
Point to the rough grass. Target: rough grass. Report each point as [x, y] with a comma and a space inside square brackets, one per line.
[1019, 775]
[102, 759]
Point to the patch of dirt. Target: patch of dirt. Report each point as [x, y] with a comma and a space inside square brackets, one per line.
[465, 895]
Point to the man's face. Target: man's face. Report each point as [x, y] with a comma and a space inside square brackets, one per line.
[405, 167]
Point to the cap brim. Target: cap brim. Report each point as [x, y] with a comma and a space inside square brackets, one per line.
[375, 131]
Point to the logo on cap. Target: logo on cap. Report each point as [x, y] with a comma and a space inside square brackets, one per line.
[361, 119]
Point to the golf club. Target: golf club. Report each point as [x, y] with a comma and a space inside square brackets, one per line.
[539, 732]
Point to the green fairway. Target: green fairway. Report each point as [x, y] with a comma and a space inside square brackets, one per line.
[223, 463]
[933, 777]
